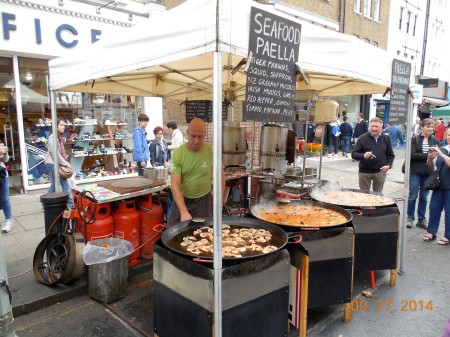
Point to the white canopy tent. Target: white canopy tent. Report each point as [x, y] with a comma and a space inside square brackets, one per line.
[171, 56]
[190, 52]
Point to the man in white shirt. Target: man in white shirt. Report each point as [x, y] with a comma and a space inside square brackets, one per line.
[416, 128]
[177, 136]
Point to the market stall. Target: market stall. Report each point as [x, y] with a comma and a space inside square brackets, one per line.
[193, 52]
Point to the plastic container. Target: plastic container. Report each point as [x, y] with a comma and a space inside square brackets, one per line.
[108, 268]
[54, 204]
[301, 145]
[317, 148]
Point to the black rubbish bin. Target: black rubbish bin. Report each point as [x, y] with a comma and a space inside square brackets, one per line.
[54, 204]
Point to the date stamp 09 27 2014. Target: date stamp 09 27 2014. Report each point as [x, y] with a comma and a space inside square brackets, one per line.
[384, 306]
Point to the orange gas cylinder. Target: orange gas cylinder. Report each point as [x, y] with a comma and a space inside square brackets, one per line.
[152, 224]
[146, 201]
[103, 225]
[127, 222]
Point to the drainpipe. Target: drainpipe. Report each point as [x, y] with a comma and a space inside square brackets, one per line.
[425, 38]
[342, 10]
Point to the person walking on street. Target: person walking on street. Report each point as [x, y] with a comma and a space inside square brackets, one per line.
[444, 142]
[375, 155]
[334, 132]
[4, 189]
[159, 154]
[440, 130]
[419, 172]
[59, 158]
[140, 148]
[440, 198]
[396, 135]
[416, 128]
[346, 133]
[191, 171]
[360, 128]
[177, 136]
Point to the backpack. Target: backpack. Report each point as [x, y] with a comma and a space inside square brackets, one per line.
[336, 130]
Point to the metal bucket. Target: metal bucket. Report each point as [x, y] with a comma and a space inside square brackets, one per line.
[273, 147]
[234, 145]
[267, 190]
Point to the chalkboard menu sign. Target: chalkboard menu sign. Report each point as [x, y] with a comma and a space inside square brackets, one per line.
[203, 109]
[274, 45]
[398, 108]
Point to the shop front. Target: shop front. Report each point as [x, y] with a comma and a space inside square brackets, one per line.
[98, 125]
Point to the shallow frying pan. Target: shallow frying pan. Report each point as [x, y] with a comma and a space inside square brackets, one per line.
[367, 200]
[173, 236]
[287, 212]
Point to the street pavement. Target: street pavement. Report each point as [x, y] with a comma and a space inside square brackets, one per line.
[418, 303]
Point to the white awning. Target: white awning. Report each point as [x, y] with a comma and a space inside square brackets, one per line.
[171, 56]
[435, 101]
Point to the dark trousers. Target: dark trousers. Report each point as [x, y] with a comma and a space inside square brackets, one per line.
[198, 208]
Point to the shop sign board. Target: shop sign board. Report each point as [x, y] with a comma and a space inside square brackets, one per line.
[38, 30]
[274, 46]
[401, 77]
[203, 109]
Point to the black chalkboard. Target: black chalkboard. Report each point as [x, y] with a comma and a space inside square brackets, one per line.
[271, 76]
[203, 109]
[401, 78]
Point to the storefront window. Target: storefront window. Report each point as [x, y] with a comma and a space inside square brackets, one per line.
[7, 111]
[99, 132]
[36, 116]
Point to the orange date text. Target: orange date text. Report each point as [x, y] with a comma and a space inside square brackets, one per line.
[387, 305]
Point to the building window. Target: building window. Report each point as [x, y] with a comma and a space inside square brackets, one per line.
[408, 22]
[401, 17]
[357, 6]
[415, 23]
[376, 10]
[367, 8]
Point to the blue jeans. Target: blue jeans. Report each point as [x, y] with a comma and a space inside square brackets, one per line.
[333, 142]
[65, 185]
[416, 183]
[440, 199]
[4, 197]
[345, 144]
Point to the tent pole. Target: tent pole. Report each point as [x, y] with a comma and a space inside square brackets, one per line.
[55, 136]
[217, 192]
[405, 186]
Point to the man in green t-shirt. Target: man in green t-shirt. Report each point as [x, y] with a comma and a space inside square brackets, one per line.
[191, 172]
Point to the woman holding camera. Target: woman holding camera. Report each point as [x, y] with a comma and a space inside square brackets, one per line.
[440, 199]
[419, 172]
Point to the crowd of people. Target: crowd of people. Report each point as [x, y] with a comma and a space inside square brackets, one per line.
[373, 148]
